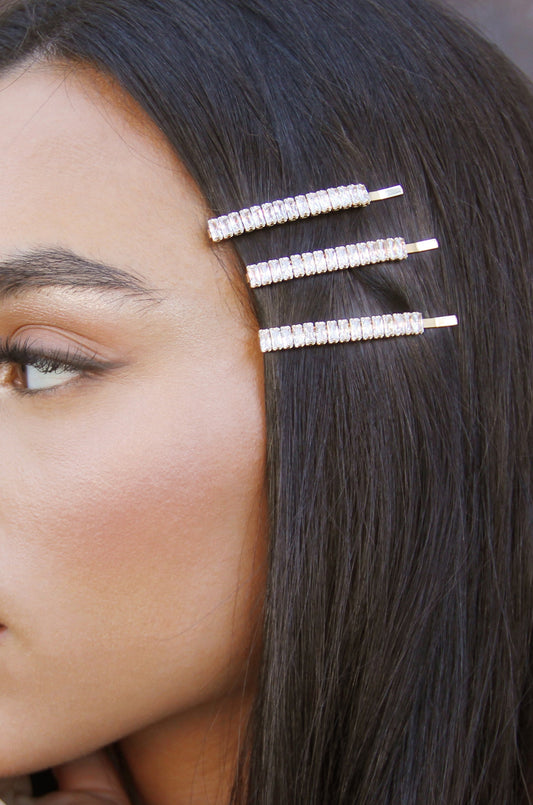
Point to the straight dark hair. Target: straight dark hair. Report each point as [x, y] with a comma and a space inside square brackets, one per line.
[397, 626]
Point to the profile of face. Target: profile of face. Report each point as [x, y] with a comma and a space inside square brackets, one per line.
[132, 474]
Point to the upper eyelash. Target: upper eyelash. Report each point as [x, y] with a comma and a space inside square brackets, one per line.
[46, 360]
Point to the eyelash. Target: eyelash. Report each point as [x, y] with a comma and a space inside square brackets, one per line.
[49, 360]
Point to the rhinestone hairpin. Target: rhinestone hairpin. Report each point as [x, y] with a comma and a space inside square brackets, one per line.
[322, 261]
[338, 331]
[280, 211]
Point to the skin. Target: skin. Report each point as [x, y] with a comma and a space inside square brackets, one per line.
[132, 536]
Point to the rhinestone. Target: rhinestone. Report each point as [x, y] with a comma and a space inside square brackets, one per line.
[363, 195]
[298, 335]
[314, 203]
[344, 197]
[400, 249]
[280, 212]
[379, 248]
[353, 255]
[264, 272]
[333, 332]
[303, 206]
[247, 220]
[377, 251]
[398, 327]
[409, 330]
[298, 265]
[358, 194]
[275, 270]
[287, 338]
[378, 328]
[236, 223]
[373, 251]
[388, 324]
[321, 332]
[418, 325]
[257, 217]
[225, 227]
[320, 261]
[277, 340]
[254, 276]
[214, 230]
[389, 249]
[309, 333]
[331, 259]
[324, 200]
[364, 254]
[354, 195]
[265, 340]
[342, 257]
[309, 264]
[286, 268]
[268, 212]
[355, 329]
[335, 198]
[344, 330]
[366, 328]
[292, 209]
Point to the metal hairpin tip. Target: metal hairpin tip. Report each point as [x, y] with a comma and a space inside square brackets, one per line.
[422, 246]
[387, 192]
[441, 321]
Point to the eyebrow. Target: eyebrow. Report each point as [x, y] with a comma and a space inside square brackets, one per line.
[61, 268]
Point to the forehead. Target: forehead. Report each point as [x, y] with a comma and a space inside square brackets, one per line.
[82, 166]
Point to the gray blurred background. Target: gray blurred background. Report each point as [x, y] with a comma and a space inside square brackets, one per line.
[508, 23]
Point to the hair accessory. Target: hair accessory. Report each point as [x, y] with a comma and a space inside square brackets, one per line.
[321, 261]
[291, 209]
[344, 330]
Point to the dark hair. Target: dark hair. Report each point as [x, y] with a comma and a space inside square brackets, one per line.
[399, 606]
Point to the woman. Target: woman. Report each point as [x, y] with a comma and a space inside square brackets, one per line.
[303, 576]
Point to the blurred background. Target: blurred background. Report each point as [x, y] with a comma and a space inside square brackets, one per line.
[508, 23]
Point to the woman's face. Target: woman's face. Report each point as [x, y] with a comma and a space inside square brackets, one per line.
[132, 506]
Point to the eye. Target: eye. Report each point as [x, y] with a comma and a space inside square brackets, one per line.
[28, 369]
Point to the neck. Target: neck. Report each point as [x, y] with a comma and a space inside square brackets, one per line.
[190, 759]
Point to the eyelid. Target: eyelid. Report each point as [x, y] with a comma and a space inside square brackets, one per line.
[65, 340]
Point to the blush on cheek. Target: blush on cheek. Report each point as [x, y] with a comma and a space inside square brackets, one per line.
[152, 515]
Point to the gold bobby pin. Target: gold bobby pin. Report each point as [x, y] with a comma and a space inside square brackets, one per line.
[280, 211]
[338, 331]
[322, 261]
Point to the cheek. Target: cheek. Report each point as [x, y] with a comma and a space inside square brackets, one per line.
[133, 560]
[140, 514]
